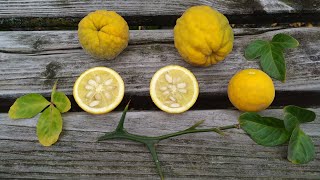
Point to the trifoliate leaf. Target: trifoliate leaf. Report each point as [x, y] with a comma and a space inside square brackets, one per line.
[272, 62]
[61, 101]
[254, 50]
[28, 106]
[270, 54]
[266, 131]
[301, 148]
[49, 126]
[284, 41]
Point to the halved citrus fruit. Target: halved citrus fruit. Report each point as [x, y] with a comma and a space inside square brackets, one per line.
[174, 89]
[98, 90]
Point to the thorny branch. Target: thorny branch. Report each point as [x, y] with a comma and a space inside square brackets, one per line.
[150, 142]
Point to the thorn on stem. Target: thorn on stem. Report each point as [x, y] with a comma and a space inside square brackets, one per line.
[196, 125]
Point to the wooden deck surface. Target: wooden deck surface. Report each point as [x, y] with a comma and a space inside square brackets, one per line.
[31, 60]
[196, 156]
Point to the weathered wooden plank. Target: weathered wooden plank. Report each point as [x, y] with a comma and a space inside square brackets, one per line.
[201, 156]
[53, 13]
[31, 61]
[74, 8]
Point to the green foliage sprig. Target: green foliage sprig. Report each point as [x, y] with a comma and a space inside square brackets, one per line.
[269, 131]
[50, 121]
[270, 54]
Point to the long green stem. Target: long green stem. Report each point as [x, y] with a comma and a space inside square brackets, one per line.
[189, 131]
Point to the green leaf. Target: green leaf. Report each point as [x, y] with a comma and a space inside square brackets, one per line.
[284, 41]
[295, 115]
[61, 101]
[290, 122]
[49, 126]
[266, 131]
[271, 54]
[301, 148]
[28, 106]
[254, 49]
[272, 62]
[302, 115]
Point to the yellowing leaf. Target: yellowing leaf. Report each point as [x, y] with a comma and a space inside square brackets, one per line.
[61, 101]
[49, 126]
[28, 106]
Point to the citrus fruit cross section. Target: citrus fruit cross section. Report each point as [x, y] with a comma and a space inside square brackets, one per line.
[174, 89]
[99, 90]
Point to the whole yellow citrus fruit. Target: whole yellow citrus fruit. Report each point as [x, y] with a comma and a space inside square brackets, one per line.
[203, 36]
[251, 90]
[103, 34]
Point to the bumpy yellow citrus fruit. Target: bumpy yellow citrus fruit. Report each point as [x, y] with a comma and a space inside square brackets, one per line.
[98, 90]
[103, 34]
[174, 89]
[251, 90]
[203, 36]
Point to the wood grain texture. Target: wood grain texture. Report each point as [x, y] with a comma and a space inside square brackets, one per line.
[200, 156]
[74, 8]
[271, 6]
[59, 14]
[32, 60]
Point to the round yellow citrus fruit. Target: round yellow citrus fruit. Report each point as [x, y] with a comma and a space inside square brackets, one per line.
[251, 90]
[98, 90]
[203, 36]
[174, 89]
[103, 34]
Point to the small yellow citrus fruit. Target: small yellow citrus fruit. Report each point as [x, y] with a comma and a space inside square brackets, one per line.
[203, 36]
[174, 89]
[98, 90]
[103, 34]
[251, 90]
